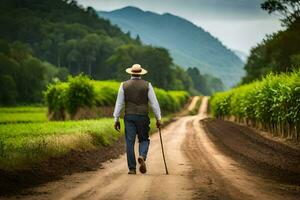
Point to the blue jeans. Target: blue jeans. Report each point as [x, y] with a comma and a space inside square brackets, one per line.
[136, 125]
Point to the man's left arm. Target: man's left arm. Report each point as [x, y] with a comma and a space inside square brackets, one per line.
[155, 105]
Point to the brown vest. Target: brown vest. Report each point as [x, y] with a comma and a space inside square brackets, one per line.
[136, 96]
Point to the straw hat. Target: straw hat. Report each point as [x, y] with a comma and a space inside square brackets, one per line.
[136, 69]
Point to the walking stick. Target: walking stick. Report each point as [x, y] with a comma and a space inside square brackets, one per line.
[162, 150]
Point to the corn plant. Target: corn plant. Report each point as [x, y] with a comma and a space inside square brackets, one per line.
[272, 104]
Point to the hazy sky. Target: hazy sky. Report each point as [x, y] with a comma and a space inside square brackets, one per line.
[239, 24]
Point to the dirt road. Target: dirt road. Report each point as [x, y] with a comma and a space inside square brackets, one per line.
[198, 169]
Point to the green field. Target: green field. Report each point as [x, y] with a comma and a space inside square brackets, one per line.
[22, 114]
[24, 144]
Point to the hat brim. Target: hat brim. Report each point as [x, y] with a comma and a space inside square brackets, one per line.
[143, 72]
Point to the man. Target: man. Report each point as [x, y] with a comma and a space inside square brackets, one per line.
[136, 93]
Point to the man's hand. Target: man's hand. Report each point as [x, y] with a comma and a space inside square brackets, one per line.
[158, 123]
[117, 126]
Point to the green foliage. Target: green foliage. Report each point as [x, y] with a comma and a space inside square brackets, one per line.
[295, 61]
[56, 96]
[23, 77]
[156, 60]
[164, 99]
[171, 101]
[273, 103]
[62, 33]
[106, 92]
[8, 90]
[288, 9]
[220, 104]
[23, 145]
[205, 84]
[81, 92]
[178, 99]
[279, 52]
[74, 39]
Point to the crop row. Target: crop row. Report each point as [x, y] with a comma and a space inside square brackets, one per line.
[272, 104]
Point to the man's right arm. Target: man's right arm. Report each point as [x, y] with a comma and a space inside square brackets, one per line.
[155, 105]
[119, 106]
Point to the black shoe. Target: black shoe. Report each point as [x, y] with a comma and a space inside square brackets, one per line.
[143, 168]
[132, 171]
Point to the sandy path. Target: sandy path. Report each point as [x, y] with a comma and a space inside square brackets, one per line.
[198, 170]
[193, 103]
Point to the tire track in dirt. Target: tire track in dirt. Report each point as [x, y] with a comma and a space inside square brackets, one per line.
[231, 180]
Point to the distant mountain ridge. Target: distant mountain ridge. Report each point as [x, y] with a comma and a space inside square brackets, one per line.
[189, 45]
[242, 55]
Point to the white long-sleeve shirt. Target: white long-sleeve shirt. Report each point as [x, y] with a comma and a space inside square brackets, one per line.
[151, 97]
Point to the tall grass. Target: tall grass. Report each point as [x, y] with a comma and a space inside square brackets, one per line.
[24, 144]
[272, 104]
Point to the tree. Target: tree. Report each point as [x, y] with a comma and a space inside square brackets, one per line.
[73, 55]
[31, 80]
[20, 51]
[215, 84]
[8, 90]
[156, 60]
[62, 74]
[138, 39]
[159, 63]
[277, 53]
[288, 9]
[199, 81]
[91, 11]
[295, 59]
[182, 80]
[4, 47]
[89, 47]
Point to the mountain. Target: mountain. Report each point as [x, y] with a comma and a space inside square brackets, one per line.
[242, 55]
[188, 44]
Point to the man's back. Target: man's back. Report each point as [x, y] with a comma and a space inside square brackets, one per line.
[136, 96]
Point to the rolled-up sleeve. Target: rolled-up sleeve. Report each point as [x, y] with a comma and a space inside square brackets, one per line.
[119, 103]
[153, 102]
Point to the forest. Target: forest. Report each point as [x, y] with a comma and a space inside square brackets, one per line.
[45, 40]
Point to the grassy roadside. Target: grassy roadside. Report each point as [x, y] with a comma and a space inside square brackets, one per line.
[23, 109]
[24, 144]
[22, 114]
[6, 118]
[38, 152]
